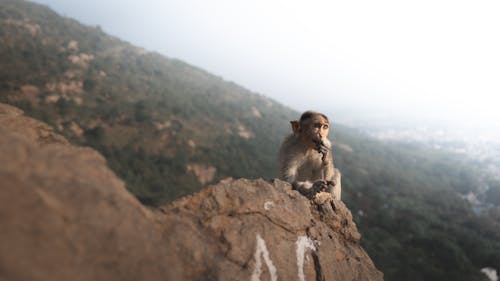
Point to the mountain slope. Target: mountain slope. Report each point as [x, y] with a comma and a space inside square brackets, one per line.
[174, 126]
[168, 128]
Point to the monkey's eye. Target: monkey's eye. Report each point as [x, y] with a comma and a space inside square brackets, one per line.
[325, 127]
[317, 125]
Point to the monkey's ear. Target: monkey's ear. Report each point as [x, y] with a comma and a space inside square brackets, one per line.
[295, 126]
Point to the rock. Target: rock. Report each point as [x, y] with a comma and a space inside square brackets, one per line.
[247, 218]
[64, 215]
[13, 121]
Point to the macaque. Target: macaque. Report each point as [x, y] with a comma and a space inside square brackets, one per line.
[306, 159]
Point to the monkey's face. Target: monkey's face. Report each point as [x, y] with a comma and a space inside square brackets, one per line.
[315, 130]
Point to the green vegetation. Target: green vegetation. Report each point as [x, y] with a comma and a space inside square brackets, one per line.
[155, 118]
[149, 115]
[415, 226]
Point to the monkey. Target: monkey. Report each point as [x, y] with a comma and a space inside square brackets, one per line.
[305, 157]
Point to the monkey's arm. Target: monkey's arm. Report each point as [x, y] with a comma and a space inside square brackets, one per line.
[324, 148]
[333, 178]
[331, 175]
[328, 167]
[290, 172]
[337, 188]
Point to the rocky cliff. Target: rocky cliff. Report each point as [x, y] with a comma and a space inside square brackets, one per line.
[65, 216]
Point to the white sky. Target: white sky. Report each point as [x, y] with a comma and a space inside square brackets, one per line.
[435, 59]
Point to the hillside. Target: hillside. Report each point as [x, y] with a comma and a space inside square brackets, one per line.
[152, 114]
[168, 129]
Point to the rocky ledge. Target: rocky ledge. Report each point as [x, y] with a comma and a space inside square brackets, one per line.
[64, 215]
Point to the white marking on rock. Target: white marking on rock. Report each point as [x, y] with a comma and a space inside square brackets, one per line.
[268, 205]
[262, 252]
[303, 243]
[491, 273]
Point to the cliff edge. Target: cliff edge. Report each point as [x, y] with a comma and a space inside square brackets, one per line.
[64, 215]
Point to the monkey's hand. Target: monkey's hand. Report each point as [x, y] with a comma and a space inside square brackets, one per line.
[331, 183]
[323, 148]
[309, 190]
[318, 186]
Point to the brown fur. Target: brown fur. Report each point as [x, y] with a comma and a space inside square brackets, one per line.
[300, 162]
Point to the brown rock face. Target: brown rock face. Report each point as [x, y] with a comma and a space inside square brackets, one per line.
[65, 216]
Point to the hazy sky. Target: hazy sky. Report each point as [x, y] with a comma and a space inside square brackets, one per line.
[424, 59]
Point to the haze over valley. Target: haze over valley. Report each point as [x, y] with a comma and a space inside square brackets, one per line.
[422, 72]
[431, 63]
